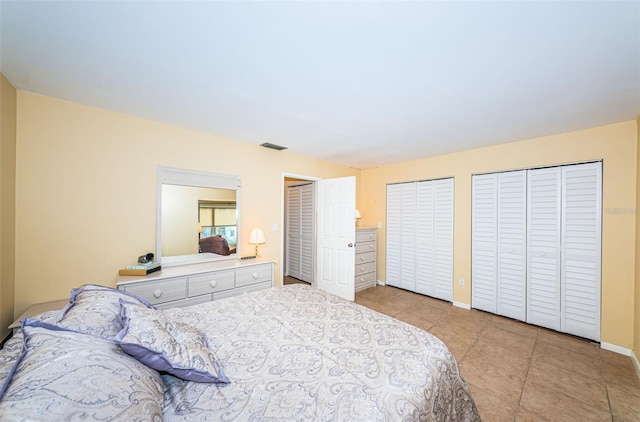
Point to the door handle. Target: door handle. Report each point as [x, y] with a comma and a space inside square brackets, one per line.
[350, 245]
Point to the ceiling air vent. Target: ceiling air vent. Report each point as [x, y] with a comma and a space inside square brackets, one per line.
[273, 146]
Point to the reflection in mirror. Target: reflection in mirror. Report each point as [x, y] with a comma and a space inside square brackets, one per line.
[197, 215]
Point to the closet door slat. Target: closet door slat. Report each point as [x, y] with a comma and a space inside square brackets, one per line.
[443, 239]
[425, 250]
[484, 229]
[512, 244]
[581, 249]
[543, 247]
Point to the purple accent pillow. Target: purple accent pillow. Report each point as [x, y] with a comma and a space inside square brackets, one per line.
[168, 346]
[95, 310]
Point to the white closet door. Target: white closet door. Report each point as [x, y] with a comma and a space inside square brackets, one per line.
[581, 249]
[306, 233]
[408, 236]
[394, 238]
[512, 246]
[401, 238]
[425, 248]
[293, 231]
[543, 247]
[484, 229]
[443, 239]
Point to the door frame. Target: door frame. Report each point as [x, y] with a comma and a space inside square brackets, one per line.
[283, 186]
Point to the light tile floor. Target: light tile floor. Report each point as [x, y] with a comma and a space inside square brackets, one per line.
[520, 372]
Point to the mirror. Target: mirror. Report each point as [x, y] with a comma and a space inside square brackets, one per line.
[193, 206]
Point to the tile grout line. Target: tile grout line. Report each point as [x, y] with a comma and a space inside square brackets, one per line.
[526, 375]
[606, 385]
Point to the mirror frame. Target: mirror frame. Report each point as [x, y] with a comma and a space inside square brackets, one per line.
[193, 178]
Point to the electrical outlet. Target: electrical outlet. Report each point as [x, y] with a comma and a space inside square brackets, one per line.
[461, 281]
[379, 225]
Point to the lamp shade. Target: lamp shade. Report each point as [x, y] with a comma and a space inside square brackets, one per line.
[256, 237]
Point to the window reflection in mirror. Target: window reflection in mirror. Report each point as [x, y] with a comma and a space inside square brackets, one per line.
[218, 218]
[181, 217]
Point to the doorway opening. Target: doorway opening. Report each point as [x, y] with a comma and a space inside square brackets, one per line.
[298, 229]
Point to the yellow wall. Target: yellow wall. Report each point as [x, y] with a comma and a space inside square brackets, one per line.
[86, 190]
[615, 144]
[7, 204]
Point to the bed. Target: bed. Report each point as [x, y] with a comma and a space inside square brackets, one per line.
[291, 353]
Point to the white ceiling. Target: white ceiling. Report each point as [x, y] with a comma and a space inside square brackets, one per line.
[361, 83]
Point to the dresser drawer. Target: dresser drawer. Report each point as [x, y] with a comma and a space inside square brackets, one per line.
[365, 281]
[253, 275]
[211, 282]
[363, 235]
[362, 247]
[160, 291]
[365, 268]
[185, 302]
[240, 290]
[361, 258]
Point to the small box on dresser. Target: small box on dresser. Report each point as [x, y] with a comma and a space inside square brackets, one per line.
[191, 284]
[365, 266]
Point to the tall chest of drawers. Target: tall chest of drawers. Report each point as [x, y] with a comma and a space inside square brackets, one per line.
[365, 266]
[191, 284]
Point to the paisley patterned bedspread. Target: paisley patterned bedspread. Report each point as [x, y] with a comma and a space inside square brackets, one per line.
[296, 353]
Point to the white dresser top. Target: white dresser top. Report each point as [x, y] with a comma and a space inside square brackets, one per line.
[191, 269]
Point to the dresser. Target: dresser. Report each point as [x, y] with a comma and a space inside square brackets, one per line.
[365, 267]
[191, 284]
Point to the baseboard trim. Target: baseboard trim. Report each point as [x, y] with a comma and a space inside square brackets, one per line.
[617, 349]
[380, 283]
[634, 358]
[462, 305]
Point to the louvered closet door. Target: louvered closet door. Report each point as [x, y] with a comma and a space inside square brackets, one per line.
[293, 232]
[443, 239]
[425, 247]
[512, 230]
[581, 251]
[408, 237]
[484, 229]
[306, 233]
[401, 239]
[543, 247]
[394, 242]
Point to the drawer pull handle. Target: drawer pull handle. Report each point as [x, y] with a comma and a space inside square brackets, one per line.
[213, 283]
[362, 269]
[362, 258]
[157, 293]
[370, 246]
[254, 275]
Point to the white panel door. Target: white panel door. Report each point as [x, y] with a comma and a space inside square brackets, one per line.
[336, 205]
[293, 231]
[543, 247]
[512, 244]
[443, 239]
[484, 229]
[307, 254]
[425, 248]
[581, 249]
